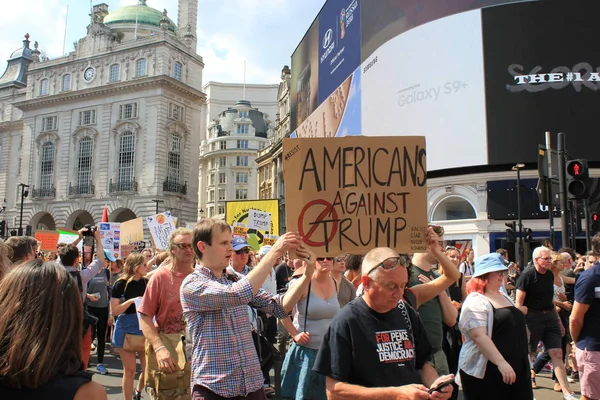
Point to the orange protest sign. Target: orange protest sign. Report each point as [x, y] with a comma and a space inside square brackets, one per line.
[47, 239]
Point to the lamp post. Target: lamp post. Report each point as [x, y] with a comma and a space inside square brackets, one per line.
[157, 201]
[24, 193]
[521, 256]
[201, 214]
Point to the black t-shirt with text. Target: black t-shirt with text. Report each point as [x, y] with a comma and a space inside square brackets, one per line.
[133, 289]
[366, 348]
[539, 289]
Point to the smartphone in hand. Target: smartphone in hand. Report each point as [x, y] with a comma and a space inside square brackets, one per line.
[441, 385]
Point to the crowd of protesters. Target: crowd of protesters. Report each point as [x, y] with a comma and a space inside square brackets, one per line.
[210, 319]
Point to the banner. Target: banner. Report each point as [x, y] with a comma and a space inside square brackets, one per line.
[110, 236]
[239, 212]
[47, 239]
[132, 231]
[68, 237]
[161, 226]
[351, 194]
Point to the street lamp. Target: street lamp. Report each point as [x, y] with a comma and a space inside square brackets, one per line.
[521, 256]
[201, 213]
[157, 201]
[24, 193]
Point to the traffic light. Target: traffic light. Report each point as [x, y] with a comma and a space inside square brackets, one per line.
[578, 185]
[528, 234]
[510, 232]
[28, 230]
[595, 222]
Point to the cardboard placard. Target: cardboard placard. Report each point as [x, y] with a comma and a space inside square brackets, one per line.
[132, 231]
[161, 226]
[47, 239]
[259, 220]
[355, 193]
[68, 237]
[238, 212]
[110, 234]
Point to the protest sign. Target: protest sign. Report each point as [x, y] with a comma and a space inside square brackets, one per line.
[239, 212]
[110, 236]
[269, 240]
[132, 231]
[68, 237]
[351, 194]
[259, 220]
[47, 239]
[161, 226]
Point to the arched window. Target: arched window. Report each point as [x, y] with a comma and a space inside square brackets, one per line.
[174, 162]
[126, 169]
[140, 67]
[84, 165]
[114, 73]
[177, 71]
[43, 87]
[66, 82]
[47, 166]
[453, 208]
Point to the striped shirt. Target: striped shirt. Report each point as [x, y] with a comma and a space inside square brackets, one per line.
[224, 358]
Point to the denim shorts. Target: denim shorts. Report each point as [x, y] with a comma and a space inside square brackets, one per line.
[126, 323]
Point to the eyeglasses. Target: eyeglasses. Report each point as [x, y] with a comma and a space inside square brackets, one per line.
[321, 259]
[340, 259]
[448, 248]
[242, 251]
[184, 246]
[544, 258]
[502, 273]
[391, 263]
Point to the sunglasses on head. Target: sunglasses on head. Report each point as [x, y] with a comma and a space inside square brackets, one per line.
[438, 229]
[339, 259]
[184, 246]
[242, 251]
[391, 263]
[321, 259]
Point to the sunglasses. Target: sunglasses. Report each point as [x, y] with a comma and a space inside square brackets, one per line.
[438, 229]
[340, 259]
[391, 263]
[242, 251]
[184, 246]
[321, 259]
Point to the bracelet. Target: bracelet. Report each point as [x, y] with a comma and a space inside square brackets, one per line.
[159, 348]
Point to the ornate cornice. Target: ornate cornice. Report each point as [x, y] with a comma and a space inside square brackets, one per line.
[162, 81]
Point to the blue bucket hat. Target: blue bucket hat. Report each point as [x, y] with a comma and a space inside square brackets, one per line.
[239, 243]
[489, 263]
[108, 255]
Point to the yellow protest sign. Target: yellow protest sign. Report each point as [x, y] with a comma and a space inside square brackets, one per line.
[257, 213]
[354, 193]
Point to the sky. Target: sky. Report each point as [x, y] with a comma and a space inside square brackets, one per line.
[265, 33]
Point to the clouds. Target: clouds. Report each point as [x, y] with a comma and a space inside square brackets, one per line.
[262, 32]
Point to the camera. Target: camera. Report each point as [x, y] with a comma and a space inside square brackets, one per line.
[90, 230]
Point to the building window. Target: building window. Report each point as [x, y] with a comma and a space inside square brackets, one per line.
[49, 124]
[221, 209]
[43, 87]
[261, 145]
[241, 161]
[241, 194]
[222, 161]
[222, 178]
[128, 111]
[126, 168]
[47, 166]
[242, 144]
[242, 129]
[84, 167]
[223, 145]
[241, 177]
[176, 112]
[140, 67]
[173, 173]
[221, 195]
[211, 195]
[66, 83]
[211, 179]
[115, 73]
[243, 114]
[87, 117]
[177, 71]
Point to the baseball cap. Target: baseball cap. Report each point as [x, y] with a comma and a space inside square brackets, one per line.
[264, 250]
[239, 243]
[108, 255]
[489, 263]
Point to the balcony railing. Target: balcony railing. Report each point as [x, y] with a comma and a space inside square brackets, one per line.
[122, 186]
[81, 190]
[47, 193]
[174, 187]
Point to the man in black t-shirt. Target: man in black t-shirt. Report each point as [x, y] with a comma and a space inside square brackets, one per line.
[535, 292]
[376, 346]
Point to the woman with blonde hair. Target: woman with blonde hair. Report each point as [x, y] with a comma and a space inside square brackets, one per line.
[41, 317]
[127, 337]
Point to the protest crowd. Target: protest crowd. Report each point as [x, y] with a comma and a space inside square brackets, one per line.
[211, 317]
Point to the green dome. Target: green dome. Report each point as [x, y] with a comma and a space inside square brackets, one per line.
[141, 12]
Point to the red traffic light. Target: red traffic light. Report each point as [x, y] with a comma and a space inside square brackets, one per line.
[575, 168]
[595, 217]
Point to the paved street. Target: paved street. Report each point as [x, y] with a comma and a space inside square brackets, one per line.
[112, 381]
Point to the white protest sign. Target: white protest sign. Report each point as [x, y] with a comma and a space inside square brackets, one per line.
[260, 220]
[161, 226]
[68, 238]
[110, 236]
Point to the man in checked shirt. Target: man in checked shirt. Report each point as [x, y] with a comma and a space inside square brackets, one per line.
[224, 361]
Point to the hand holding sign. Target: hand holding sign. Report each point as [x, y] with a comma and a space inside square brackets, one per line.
[287, 242]
[308, 257]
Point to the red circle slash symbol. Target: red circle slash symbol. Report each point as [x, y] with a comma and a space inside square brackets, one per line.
[329, 210]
